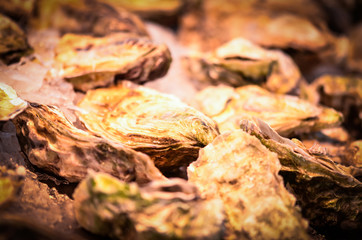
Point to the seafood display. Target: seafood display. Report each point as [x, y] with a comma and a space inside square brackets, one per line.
[170, 119]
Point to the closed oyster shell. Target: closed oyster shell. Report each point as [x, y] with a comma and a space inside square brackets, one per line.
[327, 192]
[168, 209]
[241, 62]
[10, 104]
[160, 125]
[240, 171]
[285, 113]
[89, 62]
[52, 143]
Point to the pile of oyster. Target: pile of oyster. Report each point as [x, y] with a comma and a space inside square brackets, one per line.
[173, 119]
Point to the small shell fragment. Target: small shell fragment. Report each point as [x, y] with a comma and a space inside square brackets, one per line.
[160, 125]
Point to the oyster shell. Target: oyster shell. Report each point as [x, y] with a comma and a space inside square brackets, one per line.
[240, 62]
[86, 17]
[89, 62]
[52, 143]
[268, 23]
[257, 204]
[160, 125]
[13, 42]
[161, 210]
[343, 93]
[285, 113]
[328, 194]
[10, 104]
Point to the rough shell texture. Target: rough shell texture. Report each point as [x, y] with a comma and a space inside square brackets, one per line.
[285, 113]
[52, 143]
[237, 168]
[167, 209]
[160, 125]
[10, 104]
[329, 195]
[240, 62]
[88, 62]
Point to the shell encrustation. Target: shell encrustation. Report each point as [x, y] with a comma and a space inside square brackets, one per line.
[160, 125]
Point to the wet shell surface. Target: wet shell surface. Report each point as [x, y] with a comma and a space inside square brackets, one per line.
[88, 62]
[160, 125]
[285, 113]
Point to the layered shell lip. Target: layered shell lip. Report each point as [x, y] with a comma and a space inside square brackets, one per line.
[287, 114]
[88, 62]
[157, 124]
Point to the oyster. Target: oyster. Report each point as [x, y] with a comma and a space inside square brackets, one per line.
[13, 42]
[160, 125]
[268, 23]
[89, 62]
[328, 194]
[343, 93]
[10, 104]
[86, 17]
[52, 143]
[257, 204]
[167, 209]
[240, 62]
[285, 113]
